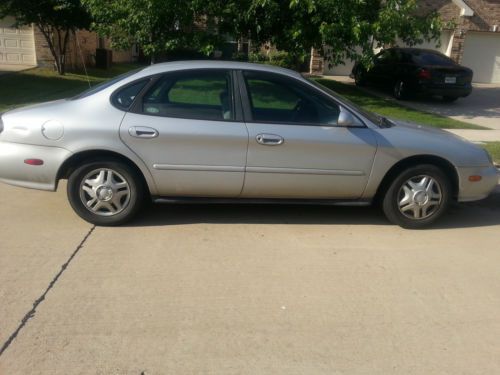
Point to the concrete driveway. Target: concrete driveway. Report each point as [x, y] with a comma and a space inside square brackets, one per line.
[12, 68]
[482, 107]
[246, 290]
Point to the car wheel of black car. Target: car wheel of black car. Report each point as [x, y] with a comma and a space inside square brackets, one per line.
[105, 193]
[359, 78]
[449, 99]
[400, 90]
[417, 197]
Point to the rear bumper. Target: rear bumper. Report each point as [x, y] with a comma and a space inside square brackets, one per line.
[474, 191]
[460, 91]
[14, 171]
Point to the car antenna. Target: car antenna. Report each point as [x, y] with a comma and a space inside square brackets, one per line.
[83, 60]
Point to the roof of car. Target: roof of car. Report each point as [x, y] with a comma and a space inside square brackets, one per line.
[213, 64]
[413, 49]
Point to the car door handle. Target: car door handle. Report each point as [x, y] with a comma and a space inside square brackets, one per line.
[269, 139]
[143, 132]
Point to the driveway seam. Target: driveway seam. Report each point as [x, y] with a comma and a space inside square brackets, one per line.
[31, 313]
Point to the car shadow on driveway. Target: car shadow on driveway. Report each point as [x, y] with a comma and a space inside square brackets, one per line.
[465, 215]
[179, 214]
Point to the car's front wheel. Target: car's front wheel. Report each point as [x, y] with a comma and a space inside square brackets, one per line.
[359, 78]
[105, 193]
[417, 197]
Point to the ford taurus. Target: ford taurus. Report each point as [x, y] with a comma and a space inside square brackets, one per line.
[234, 132]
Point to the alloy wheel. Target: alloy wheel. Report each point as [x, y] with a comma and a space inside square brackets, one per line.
[104, 192]
[420, 197]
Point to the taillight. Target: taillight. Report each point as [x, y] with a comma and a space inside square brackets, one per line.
[424, 74]
[36, 162]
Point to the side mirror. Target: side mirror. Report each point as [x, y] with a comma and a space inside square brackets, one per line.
[346, 118]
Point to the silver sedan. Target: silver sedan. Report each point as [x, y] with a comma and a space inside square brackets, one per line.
[234, 132]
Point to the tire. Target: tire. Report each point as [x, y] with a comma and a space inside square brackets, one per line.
[399, 90]
[450, 99]
[430, 201]
[359, 78]
[103, 200]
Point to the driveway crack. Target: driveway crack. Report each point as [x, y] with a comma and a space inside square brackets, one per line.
[31, 313]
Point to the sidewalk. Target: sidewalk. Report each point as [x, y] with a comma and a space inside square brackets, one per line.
[477, 135]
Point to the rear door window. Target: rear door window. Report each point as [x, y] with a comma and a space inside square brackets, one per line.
[195, 94]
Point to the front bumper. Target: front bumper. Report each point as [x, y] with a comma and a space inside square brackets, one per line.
[474, 191]
[14, 171]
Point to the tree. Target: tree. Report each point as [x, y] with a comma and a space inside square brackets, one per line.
[56, 19]
[158, 26]
[339, 29]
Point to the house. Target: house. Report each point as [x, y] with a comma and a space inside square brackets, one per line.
[474, 42]
[27, 46]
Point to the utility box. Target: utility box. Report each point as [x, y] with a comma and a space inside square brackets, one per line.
[103, 58]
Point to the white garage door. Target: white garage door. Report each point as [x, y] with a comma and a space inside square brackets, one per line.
[17, 46]
[482, 55]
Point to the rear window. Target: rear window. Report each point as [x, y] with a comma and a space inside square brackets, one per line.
[105, 85]
[430, 58]
[124, 97]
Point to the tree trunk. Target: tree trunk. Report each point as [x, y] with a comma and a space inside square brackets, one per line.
[58, 52]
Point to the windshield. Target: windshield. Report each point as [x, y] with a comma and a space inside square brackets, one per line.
[373, 117]
[106, 84]
[431, 58]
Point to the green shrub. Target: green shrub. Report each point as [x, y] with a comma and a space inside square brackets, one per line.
[279, 58]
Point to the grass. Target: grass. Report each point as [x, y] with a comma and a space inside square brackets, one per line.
[494, 149]
[41, 85]
[393, 110]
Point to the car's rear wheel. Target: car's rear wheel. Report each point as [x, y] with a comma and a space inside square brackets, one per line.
[400, 91]
[417, 197]
[105, 193]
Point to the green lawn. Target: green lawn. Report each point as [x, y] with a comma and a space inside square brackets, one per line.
[391, 109]
[494, 150]
[40, 85]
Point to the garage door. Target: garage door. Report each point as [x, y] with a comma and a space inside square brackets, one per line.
[17, 46]
[482, 55]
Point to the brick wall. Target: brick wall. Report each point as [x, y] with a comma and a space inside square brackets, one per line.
[317, 62]
[81, 49]
[486, 14]
[42, 51]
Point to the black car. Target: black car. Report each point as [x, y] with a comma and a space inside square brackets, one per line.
[409, 71]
